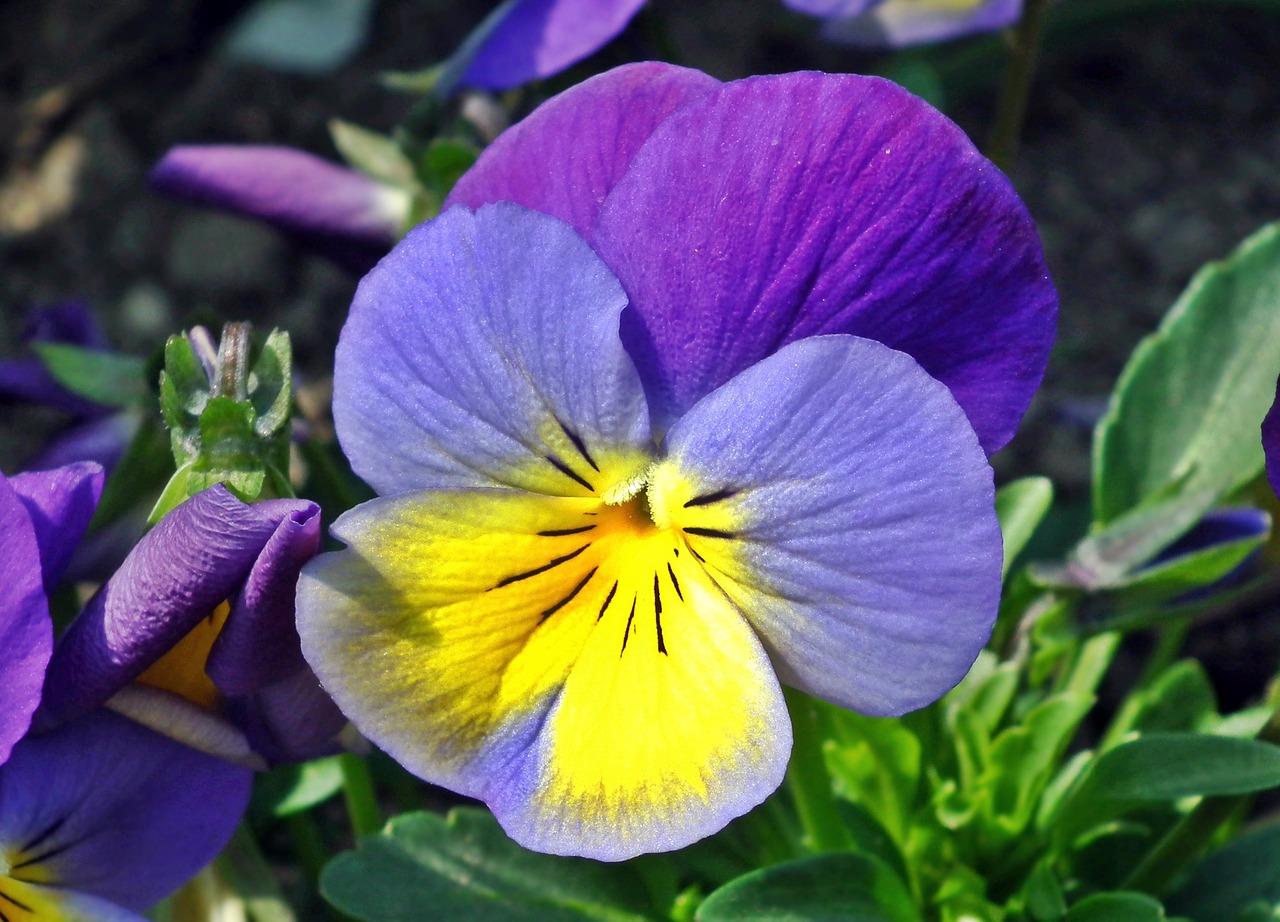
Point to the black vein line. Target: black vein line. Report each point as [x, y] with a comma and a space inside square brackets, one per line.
[44, 834]
[706, 499]
[677, 550]
[675, 582]
[45, 855]
[542, 569]
[580, 445]
[560, 532]
[607, 600]
[569, 472]
[3, 917]
[707, 532]
[626, 632]
[23, 906]
[657, 614]
[569, 598]
[701, 559]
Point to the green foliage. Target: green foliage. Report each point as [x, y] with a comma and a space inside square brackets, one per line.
[292, 789]
[425, 866]
[107, 378]
[1242, 877]
[846, 887]
[1187, 409]
[1021, 507]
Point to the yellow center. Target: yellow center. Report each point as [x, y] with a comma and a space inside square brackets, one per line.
[182, 669]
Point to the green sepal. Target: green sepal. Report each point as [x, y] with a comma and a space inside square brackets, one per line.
[107, 378]
[848, 885]
[376, 155]
[229, 451]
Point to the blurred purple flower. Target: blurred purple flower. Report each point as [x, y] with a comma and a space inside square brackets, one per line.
[1271, 442]
[42, 517]
[98, 432]
[539, 38]
[880, 24]
[195, 635]
[339, 212]
[102, 818]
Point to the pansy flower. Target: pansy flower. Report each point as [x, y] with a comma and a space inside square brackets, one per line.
[43, 514]
[103, 818]
[634, 469]
[902, 23]
[194, 634]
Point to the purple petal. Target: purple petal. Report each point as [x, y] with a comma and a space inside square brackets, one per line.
[851, 519]
[567, 156]
[1271, 441]
[26, 379]
[102, 439]
[259, 644]
[197, 557]
[539, 38]
[105, 807]
[832, 9]
[26, 633]
[290, 721]
[484, 351]
[901, 23]
[777, 208]
[344, 214]
[60, 503]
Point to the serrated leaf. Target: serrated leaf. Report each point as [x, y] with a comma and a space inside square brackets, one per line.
[1021, 506]
[371, 153]
[1190, 401]
[1226, 883]
[425, 866]
[849, 887]
[107, 378]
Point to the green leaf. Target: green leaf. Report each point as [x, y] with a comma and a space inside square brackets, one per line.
[1181, 699]
[1226, 883]
[425, 866]
[271, 385]
[1021, 506]
[292, 789]
[1043, 895]
[1166, 767]
[371, 153]
[1191, 571]
[1116, 907]
[842, 887]
[1190, 401]
[443, 163]
[107, 378]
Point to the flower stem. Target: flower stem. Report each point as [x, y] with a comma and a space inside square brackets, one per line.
[359, 793]
[1011, 108]
[808, 781]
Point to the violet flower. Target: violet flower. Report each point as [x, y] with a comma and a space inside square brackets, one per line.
[98, 432]
[694, 427]
[1271, 442]
[194, 635]
[42, 517]
[339, 212]
[102, 818]
[883, 24]
[539, 38]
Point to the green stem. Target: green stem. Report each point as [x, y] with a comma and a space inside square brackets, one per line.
[308, 845]
[1193, 832]
[359, 793]
[1011, 108]
[808, 781]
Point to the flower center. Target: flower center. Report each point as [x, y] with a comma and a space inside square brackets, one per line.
[182, 669]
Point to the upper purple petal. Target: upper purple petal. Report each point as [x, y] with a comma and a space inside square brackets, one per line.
[852, 520]
[567, 156]
[776, 208]
[26, 633]
[198, 556]
[60, 503]
[484, 351]
[539, 38]
[902, 23]
[112, 809]
[344, 214]
[1271, 441]
[259, 644]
